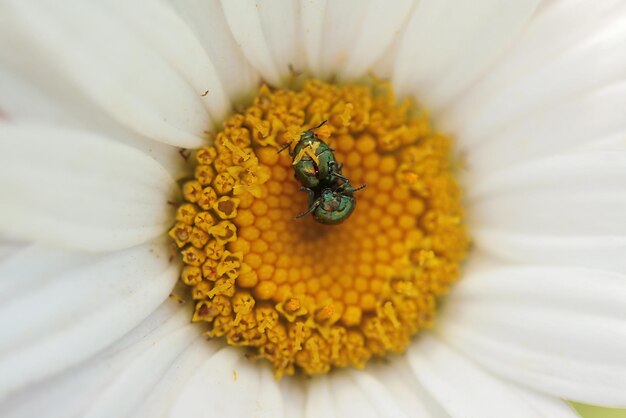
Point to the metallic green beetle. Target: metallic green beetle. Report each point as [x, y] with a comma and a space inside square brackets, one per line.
[314, 163]
[332, 207]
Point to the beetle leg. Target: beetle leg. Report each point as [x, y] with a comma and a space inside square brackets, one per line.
[341, 176]
[311, 208]
[309, 191]
[341, 187]
[336, 171]
[334, 167]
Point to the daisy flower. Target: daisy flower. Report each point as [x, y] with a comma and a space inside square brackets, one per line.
[150, 262]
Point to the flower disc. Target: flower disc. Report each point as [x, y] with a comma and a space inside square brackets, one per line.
[309, 297]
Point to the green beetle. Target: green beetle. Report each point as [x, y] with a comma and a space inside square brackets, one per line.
[314, 163]
[331, 207]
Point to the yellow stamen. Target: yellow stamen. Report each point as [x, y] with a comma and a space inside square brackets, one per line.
[310, 151]
[305, 296]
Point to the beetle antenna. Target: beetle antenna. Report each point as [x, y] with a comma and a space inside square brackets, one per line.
[320, 125]
[336, 169]
[284, 147]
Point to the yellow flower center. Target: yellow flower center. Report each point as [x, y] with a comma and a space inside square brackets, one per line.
[306, 296]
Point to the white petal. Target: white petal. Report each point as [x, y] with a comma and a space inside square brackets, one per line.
[595, 62]
[558, 29]
[80, 191]
[615, 142]
[546, 406]
[293, 393]
[339, 37]
[127, 72]
[382, 402]
[349, 399]
[280, 21]
[271, 35]
[20, 101]
[379, 26]
[79, 392]
[313, 14]
[23, 102]
[570, 195]
[151, 381]
[9, 247]
[396, 376]
[447, 45]
[384, 67]
[319, 399]
[463, 389]
[602, 252]
[245, 23]
[561, 331]
[342, 19]
[33, 264]
[229, 385]
[581, 122]
[79, 305]
[162, 396]
[354, 34]
[206, 18]
[178, 46]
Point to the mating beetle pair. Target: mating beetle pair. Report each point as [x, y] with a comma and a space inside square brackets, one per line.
[331, 195]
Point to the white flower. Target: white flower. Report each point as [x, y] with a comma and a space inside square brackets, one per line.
[96, 96]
